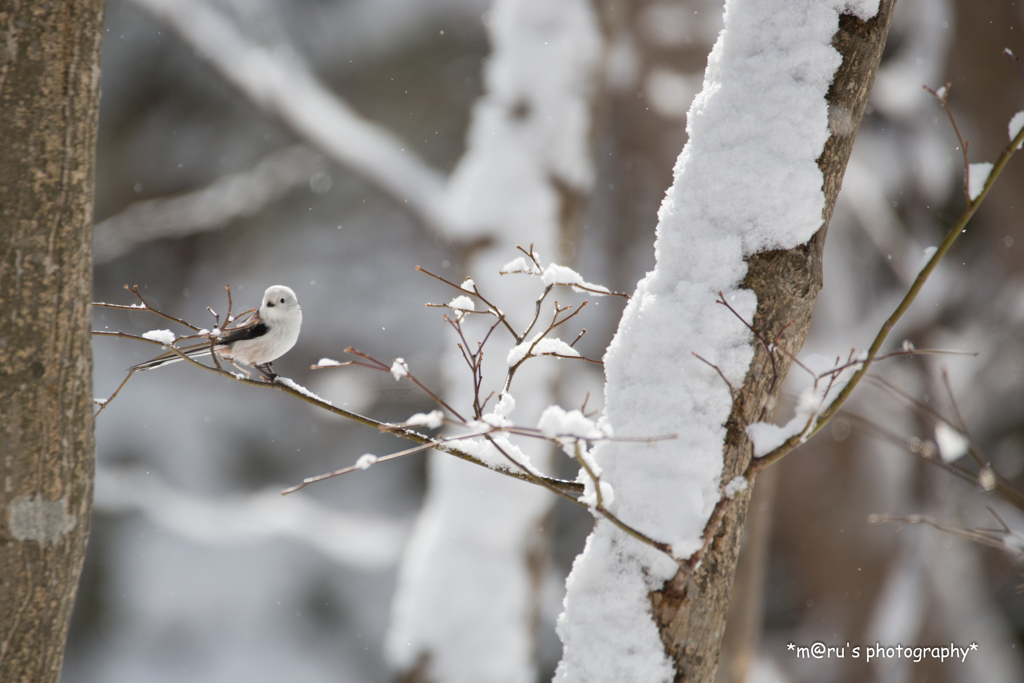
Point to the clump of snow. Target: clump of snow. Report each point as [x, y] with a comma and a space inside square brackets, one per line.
[556, 422]
[365, 461]
[540, 347]
[735, 485]
[1016, 124]
[469, 285]
[461, 304]
[554, 347]
[327, 362]
[952, 444]
[589, 495]
[494, 420]
[987, 479]
[399, 369]
[431, 420]
[162, 336]
[555, 274]
[505, 405]
[100, 401]
[520, 265]
[978, 176]
[926, 256]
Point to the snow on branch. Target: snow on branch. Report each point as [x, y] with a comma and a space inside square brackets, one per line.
[285, 88]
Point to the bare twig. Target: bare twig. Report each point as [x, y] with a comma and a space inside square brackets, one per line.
[134, 289]
[940, 95]
[995, 538]
[769, 348]
[491, 308]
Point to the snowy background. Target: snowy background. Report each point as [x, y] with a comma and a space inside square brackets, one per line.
[199, 571]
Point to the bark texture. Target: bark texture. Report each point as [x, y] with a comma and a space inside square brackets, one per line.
[691, 614]
[49, 100]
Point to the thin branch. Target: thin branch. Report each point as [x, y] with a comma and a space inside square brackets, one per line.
[134, 289]
[412, 378]
[476, 292]
[940, 95]
[994, 538]
[732, 390]
[1002, 487]
[384, 458]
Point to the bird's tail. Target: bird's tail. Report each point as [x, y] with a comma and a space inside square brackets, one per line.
[196, 351]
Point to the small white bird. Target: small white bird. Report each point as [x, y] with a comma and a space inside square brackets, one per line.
[271, 333]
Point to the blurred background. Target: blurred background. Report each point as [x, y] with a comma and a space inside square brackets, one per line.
[198, 570]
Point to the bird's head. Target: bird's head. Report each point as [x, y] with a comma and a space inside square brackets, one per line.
[279, 302]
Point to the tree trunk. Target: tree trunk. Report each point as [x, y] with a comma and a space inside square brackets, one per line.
[691, 614]
[49, 101]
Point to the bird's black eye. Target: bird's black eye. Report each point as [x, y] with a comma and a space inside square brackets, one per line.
[282, 299]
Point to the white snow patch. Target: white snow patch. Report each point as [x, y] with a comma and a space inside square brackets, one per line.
[952, 444]
[736, 485]
[399, 369]
[589, 496]
[469, 285]
[555, 421]
[555, 274]
[366, 460]
[162, 336]
[461, 304]
[520, 265]
[299, 388]
[505, 405]
[1016, 123]
[328, 362]
[540, 347]
[554, 347]
[431, 420]
[926, 256]
[978, 177]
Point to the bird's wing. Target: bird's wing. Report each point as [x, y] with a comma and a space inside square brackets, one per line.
[256, 328]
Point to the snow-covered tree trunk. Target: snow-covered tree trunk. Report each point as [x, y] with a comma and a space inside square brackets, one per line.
[465, 608]
[49, 104]
[754, 190]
